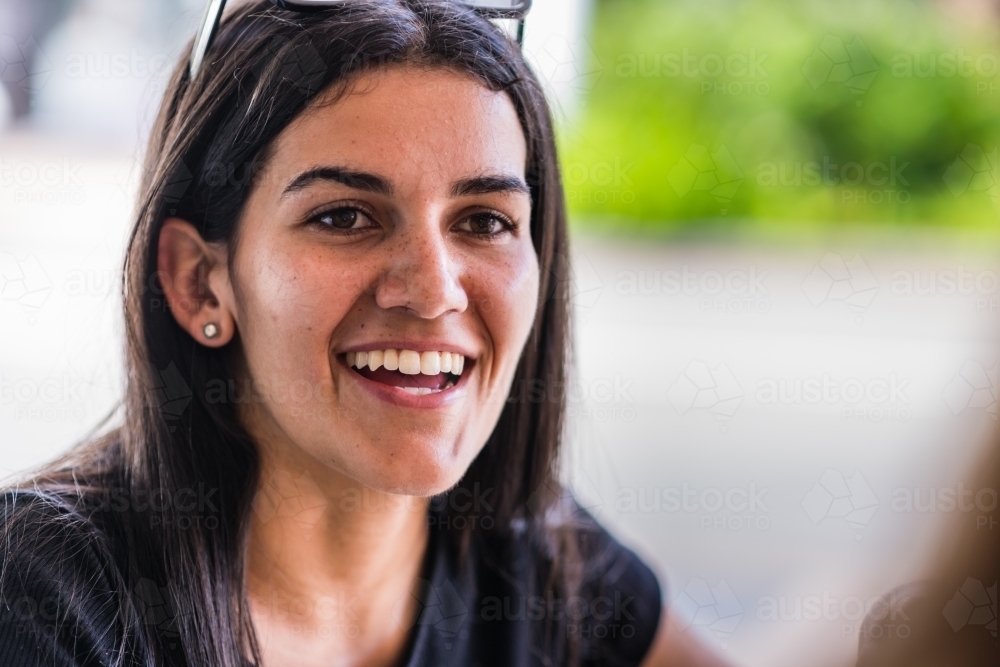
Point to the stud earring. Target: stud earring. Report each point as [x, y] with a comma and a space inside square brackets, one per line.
[211, 330]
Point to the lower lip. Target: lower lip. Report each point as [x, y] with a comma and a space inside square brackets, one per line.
[404, 399]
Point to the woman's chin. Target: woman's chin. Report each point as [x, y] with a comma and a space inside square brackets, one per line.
[421, 486]
[417, 470]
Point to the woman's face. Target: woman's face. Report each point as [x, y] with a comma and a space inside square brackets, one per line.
[388, 227]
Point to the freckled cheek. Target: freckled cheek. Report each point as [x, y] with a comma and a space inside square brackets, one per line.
[296, 303]
[508, 304]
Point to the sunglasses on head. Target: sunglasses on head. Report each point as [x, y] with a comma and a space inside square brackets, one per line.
[493, 9]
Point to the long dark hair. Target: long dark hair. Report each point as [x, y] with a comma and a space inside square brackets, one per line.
[211, 137]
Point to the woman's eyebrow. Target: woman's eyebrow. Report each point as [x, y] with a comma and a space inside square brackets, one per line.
[488, 184]
[359, 180]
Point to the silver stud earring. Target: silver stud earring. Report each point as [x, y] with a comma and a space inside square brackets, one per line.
[211, 330]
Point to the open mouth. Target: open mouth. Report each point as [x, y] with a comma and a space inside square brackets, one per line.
[417, 373]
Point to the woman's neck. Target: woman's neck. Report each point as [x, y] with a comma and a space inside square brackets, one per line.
[331, 566]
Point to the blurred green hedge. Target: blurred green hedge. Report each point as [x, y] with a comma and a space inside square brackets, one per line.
[769, 112]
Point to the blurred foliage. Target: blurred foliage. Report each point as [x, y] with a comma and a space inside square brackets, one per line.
[769, 112]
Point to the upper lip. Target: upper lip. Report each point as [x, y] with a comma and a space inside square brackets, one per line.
[416, 346]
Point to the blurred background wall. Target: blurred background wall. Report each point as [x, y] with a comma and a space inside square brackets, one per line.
[785, 279]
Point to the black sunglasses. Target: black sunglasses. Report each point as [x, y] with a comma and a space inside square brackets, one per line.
[493, 9]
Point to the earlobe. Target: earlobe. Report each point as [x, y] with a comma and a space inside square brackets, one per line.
[195, 282]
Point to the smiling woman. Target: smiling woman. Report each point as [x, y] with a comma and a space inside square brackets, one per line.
[350, 245]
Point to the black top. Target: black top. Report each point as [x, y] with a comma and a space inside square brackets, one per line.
[61, 600]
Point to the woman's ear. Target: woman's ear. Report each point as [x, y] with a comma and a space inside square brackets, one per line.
[195, 280]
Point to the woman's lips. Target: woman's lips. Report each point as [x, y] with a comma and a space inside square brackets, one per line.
[415, 391]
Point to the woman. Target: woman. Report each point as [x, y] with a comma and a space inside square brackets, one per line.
[350, 247]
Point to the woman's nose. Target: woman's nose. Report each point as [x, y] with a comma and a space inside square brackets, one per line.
[422, 275]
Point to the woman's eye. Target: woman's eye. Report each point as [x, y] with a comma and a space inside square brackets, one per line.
[340, 218]
[343, 220]
[486, 224]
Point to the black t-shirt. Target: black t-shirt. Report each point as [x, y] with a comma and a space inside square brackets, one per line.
[63, 601]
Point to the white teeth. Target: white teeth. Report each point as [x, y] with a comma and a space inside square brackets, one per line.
[419, 391]
[409, 362]
[430, 363]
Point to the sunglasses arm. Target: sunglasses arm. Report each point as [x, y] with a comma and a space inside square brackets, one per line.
[213, 15]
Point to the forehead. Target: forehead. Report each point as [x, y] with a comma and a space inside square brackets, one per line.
[408, 124]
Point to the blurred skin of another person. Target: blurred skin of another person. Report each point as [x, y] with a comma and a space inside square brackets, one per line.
[949, 619]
